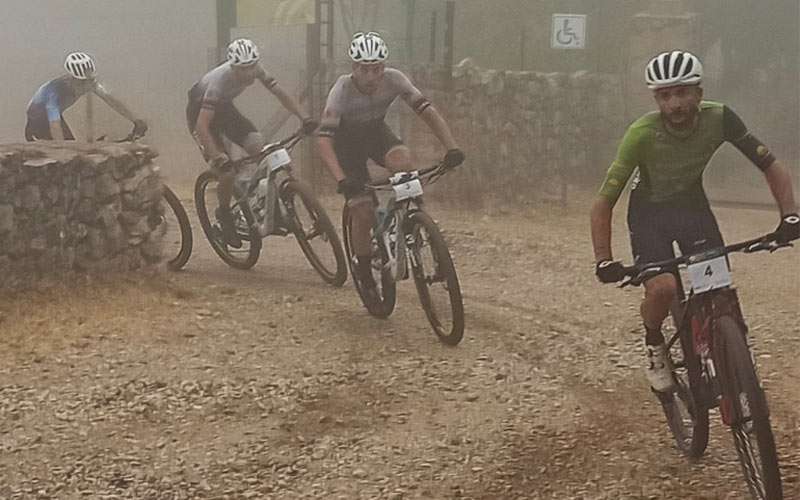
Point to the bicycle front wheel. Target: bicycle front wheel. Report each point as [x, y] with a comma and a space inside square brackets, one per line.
[380, 303]
[744, 408]
[314, 232]
[435, 277]
[206, 203]
[178, 238]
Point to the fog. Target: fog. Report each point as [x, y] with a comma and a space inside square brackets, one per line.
[149, 52]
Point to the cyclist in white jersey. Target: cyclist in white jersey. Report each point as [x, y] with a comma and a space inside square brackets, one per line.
[210, 114]
[353, 130]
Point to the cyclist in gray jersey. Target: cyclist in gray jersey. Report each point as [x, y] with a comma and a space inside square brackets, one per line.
[353, 130]
[210, 115]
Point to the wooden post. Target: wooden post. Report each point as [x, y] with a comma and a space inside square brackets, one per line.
[89, 117]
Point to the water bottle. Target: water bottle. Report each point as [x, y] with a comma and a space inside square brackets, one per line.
[380, 217]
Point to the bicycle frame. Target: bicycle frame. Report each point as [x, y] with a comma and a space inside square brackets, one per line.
[696, 315]
[393, 223]
[249, 194]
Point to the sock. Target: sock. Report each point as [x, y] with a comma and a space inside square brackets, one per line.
[653, 337]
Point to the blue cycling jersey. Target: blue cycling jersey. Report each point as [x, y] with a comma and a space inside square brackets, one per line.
[57, 95]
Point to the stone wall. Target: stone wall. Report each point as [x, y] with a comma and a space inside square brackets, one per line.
[68, 207]
[526, 134]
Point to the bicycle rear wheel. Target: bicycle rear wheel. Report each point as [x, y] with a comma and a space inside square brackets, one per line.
[314, 232]
[178, 238]
[435, 277]
[744, 408]
[205, 200]
[380, 305]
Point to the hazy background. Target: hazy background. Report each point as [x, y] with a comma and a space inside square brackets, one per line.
[149, 52]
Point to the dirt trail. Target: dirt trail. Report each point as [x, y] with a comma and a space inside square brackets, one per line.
[216, 383]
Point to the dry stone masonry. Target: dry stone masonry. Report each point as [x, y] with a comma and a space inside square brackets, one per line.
[68, 207]
[525, 132]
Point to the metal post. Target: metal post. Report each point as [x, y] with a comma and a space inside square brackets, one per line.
[449, 36]
[411, 7]
[432, 57]
[226, 20]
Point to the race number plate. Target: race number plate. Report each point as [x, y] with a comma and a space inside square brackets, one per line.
[709, 274]
[406, 185]
[277, 159]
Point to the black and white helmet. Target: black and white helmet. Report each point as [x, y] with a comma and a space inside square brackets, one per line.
[673, 68]
[242, 52]
[368, 48]
[80, 65]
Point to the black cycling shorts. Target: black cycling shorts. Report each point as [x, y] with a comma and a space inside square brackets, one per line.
[654, 227]
[227, 121]
[39, 128]
[355, 144]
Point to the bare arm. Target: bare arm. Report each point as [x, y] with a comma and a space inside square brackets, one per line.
[203, 129]
[780, 183]
[601, 228]
[439, 127]
[114, 103]
[288, 101]
[328, 156]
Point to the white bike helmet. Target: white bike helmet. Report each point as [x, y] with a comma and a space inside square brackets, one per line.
[673, 68]
[368, 48]
[243, 52]
[80, 65]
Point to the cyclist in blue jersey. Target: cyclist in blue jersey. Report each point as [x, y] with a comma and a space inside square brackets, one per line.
[46, 109]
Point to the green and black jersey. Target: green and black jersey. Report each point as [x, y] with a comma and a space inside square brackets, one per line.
[670, 165]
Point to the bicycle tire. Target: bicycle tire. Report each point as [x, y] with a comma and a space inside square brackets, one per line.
[747, 410]
[445, 271]
[686, 414]
[177, 262]
[387, 288]
[322, 226]
[248, 234]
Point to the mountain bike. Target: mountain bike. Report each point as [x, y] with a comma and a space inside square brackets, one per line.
[269, 200]
[405, 236]
[713, 366]
[171, 218]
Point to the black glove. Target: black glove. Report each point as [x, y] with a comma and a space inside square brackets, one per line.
[139, 128]
[788, 229]
[609, 271]
[309, 125]
[350, 187]
[453, 158]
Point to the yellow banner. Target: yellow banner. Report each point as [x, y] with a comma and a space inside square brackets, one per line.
[272, 12]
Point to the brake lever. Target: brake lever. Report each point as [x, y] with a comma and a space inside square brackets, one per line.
[777, 246]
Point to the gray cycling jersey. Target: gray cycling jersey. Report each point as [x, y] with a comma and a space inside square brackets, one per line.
[222, 84]
[347, 105]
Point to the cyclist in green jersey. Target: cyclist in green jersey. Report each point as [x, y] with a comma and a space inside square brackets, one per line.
[668, 150]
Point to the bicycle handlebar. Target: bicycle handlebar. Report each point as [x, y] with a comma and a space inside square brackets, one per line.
[288, 143]
[638, 273]
[427, 176]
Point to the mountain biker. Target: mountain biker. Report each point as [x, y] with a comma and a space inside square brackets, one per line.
[353, 130]
[211, 114]
[46, 108]
[669, 150]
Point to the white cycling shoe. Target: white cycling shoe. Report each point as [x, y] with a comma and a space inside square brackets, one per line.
[659, 371]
